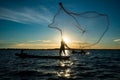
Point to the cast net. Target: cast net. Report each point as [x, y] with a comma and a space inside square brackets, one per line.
[84, 29]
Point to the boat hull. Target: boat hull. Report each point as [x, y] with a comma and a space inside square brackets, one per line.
[41, 57]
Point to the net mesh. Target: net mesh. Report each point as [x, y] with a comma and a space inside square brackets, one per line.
[85, 29]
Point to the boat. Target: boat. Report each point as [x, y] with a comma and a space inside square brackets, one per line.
[82, 52]
[24, 55]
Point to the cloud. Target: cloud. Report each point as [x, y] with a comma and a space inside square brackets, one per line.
[44, 44]
[35, 46]
[116, 40]
[28, 44]
[46, 41]
[39, 41]
[34, 41]
[6, 44]
[26, 15]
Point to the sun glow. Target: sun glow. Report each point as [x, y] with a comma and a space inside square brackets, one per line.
[66, 39]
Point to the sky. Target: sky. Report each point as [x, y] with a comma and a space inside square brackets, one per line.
[24, 23]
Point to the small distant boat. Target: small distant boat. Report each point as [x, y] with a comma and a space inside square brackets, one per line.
[81, 52]
[24, 55]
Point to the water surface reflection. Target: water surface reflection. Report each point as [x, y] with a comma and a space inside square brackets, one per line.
[64, 70]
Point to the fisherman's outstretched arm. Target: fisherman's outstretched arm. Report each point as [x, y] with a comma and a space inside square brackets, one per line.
[67, 46]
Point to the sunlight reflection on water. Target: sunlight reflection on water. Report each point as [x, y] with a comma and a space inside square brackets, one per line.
[67, 53]
[65, 66]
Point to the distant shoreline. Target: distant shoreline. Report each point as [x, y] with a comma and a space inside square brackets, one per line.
[51, 49]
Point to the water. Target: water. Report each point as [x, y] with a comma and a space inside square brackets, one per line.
[98, 65]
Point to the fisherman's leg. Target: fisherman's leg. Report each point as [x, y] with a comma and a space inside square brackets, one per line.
[64, 52]
[60, 52]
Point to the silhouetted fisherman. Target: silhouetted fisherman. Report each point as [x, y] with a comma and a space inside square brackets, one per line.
[62, 47]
